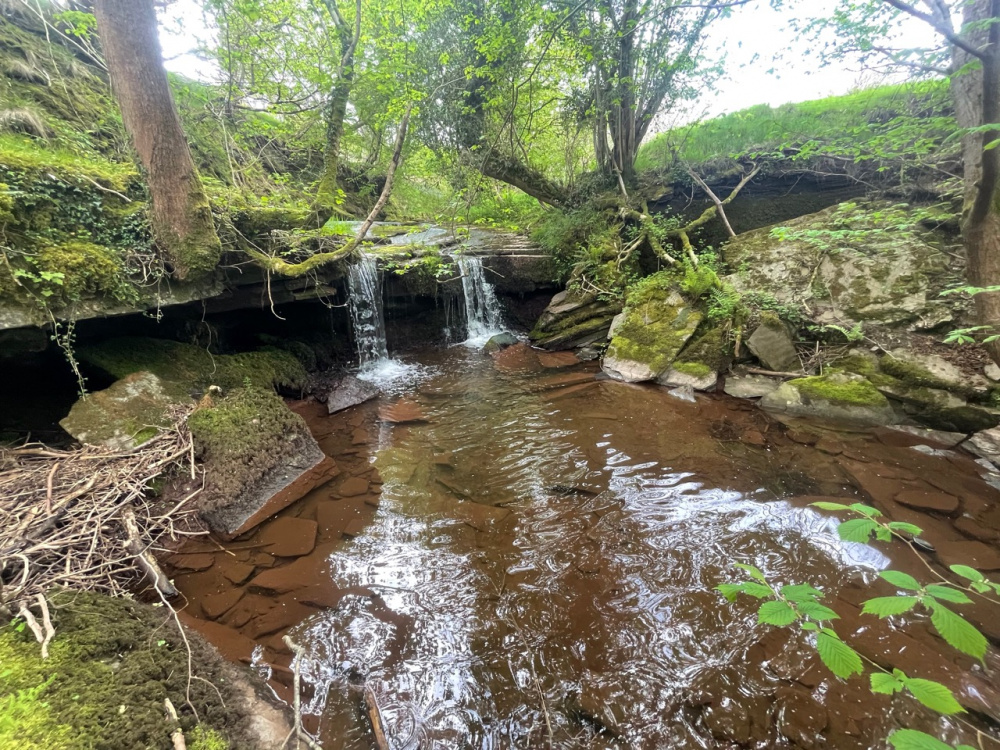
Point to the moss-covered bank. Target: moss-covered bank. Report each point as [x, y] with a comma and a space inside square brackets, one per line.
[193, 366]
[112, 664]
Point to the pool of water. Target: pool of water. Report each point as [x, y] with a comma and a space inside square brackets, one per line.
[533, 559]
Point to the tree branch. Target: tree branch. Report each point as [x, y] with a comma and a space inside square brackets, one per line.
[939, 26]
[284, 268]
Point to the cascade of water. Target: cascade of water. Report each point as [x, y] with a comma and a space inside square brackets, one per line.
[482, 309]
[365, 303]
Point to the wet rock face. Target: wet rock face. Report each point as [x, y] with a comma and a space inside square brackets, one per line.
[649, 335]
[841, 397]
[124, 415]
[855, 262]
[573, 320]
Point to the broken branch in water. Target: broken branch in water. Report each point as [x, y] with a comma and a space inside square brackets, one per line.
[298, 732]
[375, 717]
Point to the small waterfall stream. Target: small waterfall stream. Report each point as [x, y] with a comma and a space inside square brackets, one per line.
[368, 322]
[482, 309]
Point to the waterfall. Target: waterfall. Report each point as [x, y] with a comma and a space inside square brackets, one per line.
[365, 304]
[482, 309]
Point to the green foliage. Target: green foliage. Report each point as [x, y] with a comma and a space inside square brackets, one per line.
[911, 739]
[887, 124]
[799, 605]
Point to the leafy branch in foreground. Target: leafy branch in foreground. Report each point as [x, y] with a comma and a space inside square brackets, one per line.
[799, 605]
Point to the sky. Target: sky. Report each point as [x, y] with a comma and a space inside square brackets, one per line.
[754, 39]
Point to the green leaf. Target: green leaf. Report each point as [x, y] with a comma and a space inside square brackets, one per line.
[887, 606]
[865, 510]
[800, 592]
[830, 506]
[958, 633]
[817, 611]
[906, 528]
[934, 695]
[911, 739]
[754, 572]
[966, 572]
[885, 683]
[856, 530]
[901, 580]
[729, 590]
[948, 594]
[758, 590]
[838, 657]
[806, 625]
[776, 613]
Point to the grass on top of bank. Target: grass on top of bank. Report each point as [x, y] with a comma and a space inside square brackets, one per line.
[874, 123]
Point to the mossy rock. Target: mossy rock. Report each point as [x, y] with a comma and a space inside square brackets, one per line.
[857, 262]
[193, 366]
[650, 332]
[252, 447]
[837, 397]
[126, 414]
[111, 665]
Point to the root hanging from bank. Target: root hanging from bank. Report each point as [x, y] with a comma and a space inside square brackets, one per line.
[82, 519]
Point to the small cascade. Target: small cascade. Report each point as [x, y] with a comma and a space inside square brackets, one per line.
[482, 309]
[365, 303]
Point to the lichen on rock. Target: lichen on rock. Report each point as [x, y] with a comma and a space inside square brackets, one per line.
[126, 414]
[655, 325]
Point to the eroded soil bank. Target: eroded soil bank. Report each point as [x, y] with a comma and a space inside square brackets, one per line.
[518, 553]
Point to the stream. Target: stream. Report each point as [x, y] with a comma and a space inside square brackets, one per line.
[519, 553]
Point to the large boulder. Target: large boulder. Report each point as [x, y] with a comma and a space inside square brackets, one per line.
[857, 262]
[840, 397]
[573, 320]
[259, 458]
[653, 329]
[925, 388]
[128, 413]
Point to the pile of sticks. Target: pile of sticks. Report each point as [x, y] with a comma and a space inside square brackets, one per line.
[83, 518]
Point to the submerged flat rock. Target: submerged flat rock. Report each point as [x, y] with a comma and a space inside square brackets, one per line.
[349, 391]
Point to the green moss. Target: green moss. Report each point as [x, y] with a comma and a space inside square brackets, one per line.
[192, 365]
[695, 369]
[87, 269]
[655, 327]
[710, 348]
[22, 153]
[242, 438]
[852, 392]
[112, 664]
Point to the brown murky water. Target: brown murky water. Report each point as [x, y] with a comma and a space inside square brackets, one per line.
[529, 562]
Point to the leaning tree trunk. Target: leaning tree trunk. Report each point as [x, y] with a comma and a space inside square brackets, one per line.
[183, 228]
[976, 92]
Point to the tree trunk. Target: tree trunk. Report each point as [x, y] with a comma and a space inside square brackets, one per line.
[326, 191]
[976, 93]
[183, 227]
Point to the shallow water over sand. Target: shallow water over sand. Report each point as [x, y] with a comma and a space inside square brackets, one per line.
[531, 563]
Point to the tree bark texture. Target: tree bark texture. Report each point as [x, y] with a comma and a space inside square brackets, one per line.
[183, 227]
[976, 93]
